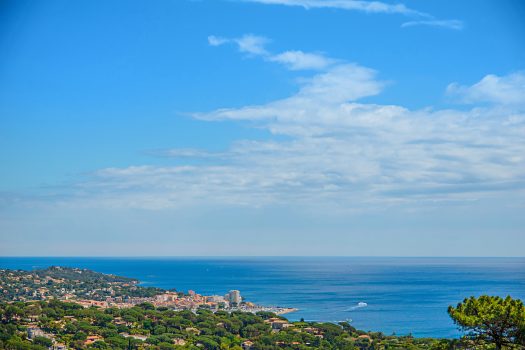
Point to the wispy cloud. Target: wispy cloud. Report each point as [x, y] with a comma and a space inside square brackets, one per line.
[503, 90]
[248, 43]
[343, 83]
[354, 5]
[294, 59]
[216, 41]
[299, 60]
[424, 19]
[450, 24]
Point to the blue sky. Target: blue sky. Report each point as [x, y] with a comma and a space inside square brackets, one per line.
[262, 127]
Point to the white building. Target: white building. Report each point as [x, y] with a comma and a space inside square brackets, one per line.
[234, 297]
[33, 332]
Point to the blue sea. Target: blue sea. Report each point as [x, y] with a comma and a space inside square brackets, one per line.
[391, 295]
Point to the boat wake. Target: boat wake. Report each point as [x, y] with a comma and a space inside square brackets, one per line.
[359, 305]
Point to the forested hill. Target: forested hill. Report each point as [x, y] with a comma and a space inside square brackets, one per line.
[76, 274]
[82, 275]
[65, 282]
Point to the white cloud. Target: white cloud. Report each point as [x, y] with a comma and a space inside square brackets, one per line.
[337, 152]
[450, 24]
[185, 153]
[298, 60]
[252, 44]
[369, 7]
[343, 83]
[217, 41]
[504, 90]
[356, 5]
[293, 59]
[248, 43]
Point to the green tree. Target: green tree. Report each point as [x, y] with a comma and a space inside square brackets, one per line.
[491, 319]
[43, 341]
[80, 336]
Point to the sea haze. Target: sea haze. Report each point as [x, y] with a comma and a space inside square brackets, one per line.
[401, 295]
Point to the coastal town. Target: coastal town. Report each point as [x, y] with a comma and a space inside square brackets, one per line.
[231, 301]
[92, 289]
[61, 308]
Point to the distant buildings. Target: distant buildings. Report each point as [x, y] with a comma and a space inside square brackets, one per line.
[247, 345]
[215, 299]
[231, 301]
[167, 297]
[34, 332]
[278, 323]
[92, 339]
[134, 336]
[233, 297]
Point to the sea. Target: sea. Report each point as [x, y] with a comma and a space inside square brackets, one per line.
[392, 295]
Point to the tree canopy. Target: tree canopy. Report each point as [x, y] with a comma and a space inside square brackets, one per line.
[491, 319]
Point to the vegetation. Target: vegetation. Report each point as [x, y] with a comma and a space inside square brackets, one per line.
[32, 317]
[147, 327]
[59, 282]
[492, 319]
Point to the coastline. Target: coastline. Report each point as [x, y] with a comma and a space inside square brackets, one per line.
[287, 310]
[322, 289]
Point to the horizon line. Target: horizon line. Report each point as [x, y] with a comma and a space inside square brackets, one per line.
[256, 256]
